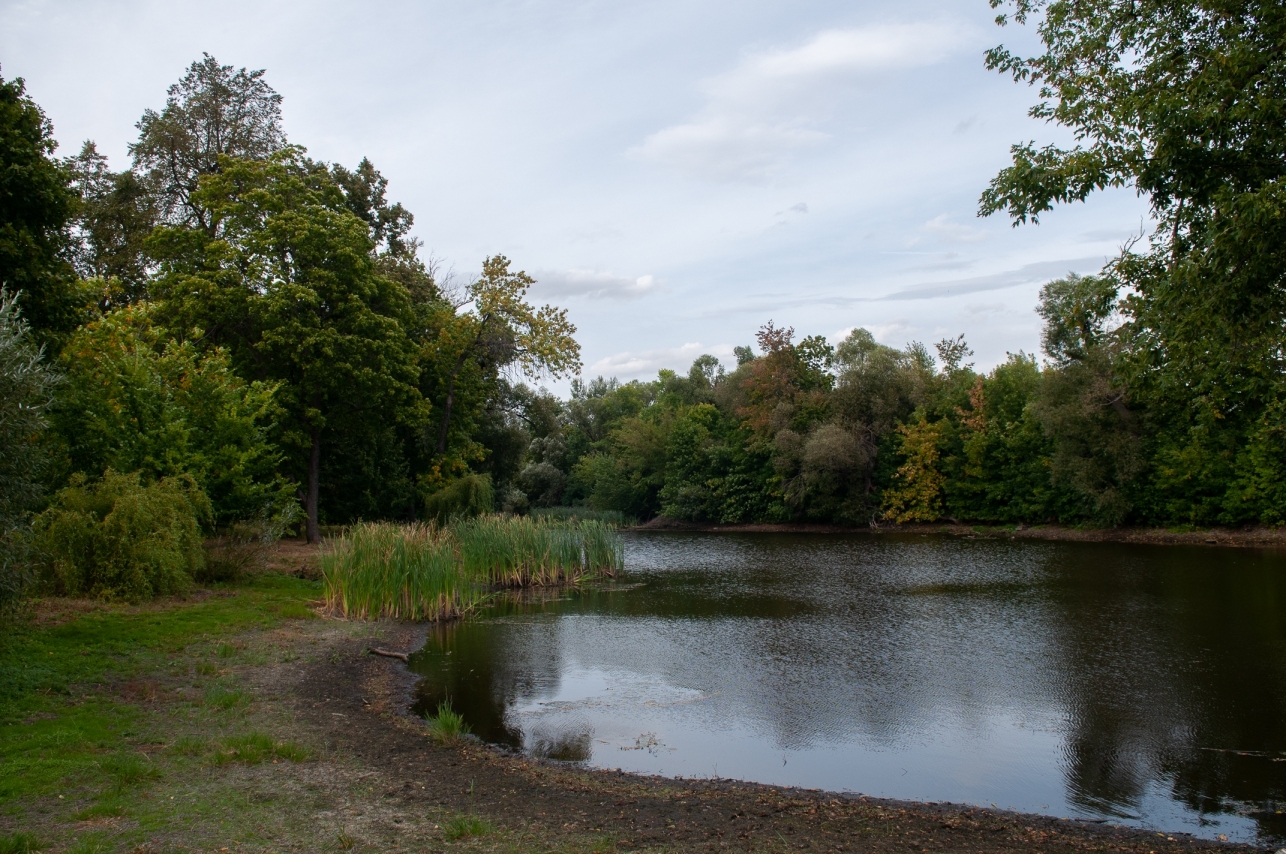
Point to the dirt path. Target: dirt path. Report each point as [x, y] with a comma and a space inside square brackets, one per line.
[357, 703]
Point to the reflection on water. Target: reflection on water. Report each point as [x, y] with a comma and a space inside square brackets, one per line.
[1142, 684]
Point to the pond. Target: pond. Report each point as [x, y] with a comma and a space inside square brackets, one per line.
[1144, 685]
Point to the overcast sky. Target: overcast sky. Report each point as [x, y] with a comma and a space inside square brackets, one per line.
[674, 173]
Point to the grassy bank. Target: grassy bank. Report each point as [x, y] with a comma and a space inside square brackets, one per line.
[425, 572]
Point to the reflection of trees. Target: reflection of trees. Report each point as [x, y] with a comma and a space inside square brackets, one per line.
[1172, 658]
[1146, 655]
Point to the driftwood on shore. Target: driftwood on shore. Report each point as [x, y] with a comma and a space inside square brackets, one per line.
[389, 653]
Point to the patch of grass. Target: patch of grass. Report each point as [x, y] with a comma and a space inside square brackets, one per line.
[447, 726]
[189, 746]
[109, 807]
[225, 650]
[222, 697]
[256, 748]
[91, 844]
[345, 840]
[293, 611]
[129, 769]
[19, 843]
[462, 826]
[205, 668]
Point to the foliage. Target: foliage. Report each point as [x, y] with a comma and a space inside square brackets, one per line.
[121, 538]
[137, 400]
[426, 572]
[245, 545]
[36, 203]
[464, 497]
[290, 288]
[26, 389]
[446, 726]
[916, 495]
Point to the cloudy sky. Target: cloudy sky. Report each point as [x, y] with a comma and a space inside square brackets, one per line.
[674, 173]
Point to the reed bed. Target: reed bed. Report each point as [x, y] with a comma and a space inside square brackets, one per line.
[426, 572]
[405, 572]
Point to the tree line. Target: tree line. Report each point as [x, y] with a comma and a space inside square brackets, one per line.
[231, 313]
[250, 330]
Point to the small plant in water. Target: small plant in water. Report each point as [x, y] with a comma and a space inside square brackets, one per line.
[447, 726]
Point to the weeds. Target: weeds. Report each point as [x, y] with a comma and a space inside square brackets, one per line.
[221, 697]
[19, 843]
[129, 769]
[461, 826]
[447, 726]
[423, 572]
[256, 748]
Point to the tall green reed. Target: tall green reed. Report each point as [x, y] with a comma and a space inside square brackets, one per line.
[406, 572]
[423, 572]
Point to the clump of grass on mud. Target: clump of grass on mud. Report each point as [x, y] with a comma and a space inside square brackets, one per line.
[447, 726]
[19, 843]
[256, 748]
[425, 572]
[461, 826]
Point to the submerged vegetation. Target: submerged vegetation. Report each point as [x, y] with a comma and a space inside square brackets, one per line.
[427, 572]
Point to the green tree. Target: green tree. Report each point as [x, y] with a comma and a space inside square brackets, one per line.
[136, 400]
[114, 217]
[26, 391]
[289, 286]
[499, 331]
[1184, 102]
[213, 112]
[36, 203]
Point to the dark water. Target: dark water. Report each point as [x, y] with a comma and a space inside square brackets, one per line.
[1141, 684]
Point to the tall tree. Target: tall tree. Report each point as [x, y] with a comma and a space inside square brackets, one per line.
[500, 331]
[36, 203]
[291, 289]
[214, 111]
[115, 215]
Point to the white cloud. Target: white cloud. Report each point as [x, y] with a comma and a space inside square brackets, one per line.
[644, 364]
[593, 284]
[770, 105]
[943, 228]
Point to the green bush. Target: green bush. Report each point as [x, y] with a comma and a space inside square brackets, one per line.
[471, 495]
[120, 538]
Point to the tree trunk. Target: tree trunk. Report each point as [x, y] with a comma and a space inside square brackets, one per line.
[314, 483]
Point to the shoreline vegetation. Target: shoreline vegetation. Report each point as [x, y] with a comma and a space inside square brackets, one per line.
[428, 572]
[1248, 537]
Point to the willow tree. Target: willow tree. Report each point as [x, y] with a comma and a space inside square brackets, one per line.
[290, 287]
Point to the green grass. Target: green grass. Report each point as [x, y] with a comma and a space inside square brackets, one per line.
[423, 572]
[463, 826]
[64, 728]
[446, 726]
[19, 843]
[256, 748]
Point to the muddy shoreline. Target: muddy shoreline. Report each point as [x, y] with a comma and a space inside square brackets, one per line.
[1252, 537]
[361, 705]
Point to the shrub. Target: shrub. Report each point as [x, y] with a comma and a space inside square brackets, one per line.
[471, 495]
[119, 538]
[25, 391]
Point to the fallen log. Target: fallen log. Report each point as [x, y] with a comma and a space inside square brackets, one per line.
[389, 654]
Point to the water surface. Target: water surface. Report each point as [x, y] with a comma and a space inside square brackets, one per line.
[1145, 685]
